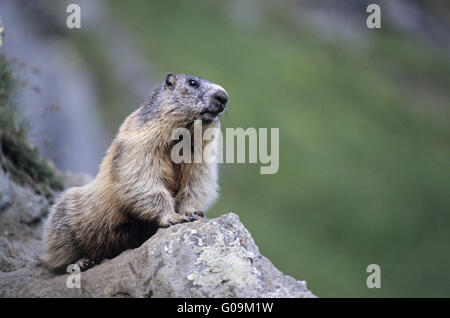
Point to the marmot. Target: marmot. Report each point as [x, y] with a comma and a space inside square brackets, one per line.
[138, 186]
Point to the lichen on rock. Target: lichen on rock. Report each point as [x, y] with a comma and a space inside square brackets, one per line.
[206, 258]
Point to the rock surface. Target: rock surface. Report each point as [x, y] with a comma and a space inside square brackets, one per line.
[206, 258]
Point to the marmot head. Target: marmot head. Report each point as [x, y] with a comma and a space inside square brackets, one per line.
[185, 98]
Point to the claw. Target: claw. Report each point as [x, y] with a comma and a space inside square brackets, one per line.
[177, 219]
[193, 214]
[199, 213]
[85, 264]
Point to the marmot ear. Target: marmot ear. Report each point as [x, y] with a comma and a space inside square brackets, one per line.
[170, 80]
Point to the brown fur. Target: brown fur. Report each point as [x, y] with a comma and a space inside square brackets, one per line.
[138, 187]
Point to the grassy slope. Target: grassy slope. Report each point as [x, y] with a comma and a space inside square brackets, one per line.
[364, 171]
[20, 160]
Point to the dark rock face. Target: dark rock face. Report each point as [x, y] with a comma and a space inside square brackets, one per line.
[206, 258]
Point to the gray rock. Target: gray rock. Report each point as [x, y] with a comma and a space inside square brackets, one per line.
[20, 226]
[5, 191]
[206, 258]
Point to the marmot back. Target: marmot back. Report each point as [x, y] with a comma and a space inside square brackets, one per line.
[138, 187]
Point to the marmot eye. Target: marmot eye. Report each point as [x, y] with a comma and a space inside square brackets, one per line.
[194, 83]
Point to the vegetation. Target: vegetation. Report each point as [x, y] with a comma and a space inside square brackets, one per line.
[17, 157]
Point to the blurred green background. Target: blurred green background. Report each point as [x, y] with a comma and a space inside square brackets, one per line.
[364, 134]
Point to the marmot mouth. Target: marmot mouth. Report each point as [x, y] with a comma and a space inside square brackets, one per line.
[212, 113]
[208, 116]
[208, 112]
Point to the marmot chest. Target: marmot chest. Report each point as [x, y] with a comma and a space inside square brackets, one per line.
[173, 177]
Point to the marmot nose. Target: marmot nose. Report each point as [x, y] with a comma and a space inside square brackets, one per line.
[221, 98]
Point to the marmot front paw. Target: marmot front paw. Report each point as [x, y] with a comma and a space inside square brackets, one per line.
[193, 213]
[85, 264]
[175, 218]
